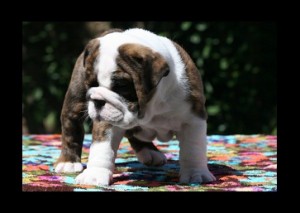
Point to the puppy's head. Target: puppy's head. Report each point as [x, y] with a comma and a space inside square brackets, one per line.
[120, 78]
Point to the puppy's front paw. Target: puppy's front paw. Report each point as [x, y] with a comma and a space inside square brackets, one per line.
[196, 176]
[95, 176]
[151, 157]
[68, 167]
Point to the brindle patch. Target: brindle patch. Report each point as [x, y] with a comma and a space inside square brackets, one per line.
[119, 74]
[195, 84]
[146, 69]
[100, 130]
[71, 115]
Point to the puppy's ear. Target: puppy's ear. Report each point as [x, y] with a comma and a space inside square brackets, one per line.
[90, 55]
[146, 68]
[91, 51]
[149, 65]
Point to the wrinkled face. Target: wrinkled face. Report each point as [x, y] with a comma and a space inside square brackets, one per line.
[120, 80]
[114, 100]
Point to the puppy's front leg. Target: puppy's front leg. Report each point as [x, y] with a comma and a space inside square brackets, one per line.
[193, 159]
[72, 135]
[72, 122]
[103, 151]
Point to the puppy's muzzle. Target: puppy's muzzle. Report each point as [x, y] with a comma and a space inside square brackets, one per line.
[98, 103]
[96, 99]
[106, 105]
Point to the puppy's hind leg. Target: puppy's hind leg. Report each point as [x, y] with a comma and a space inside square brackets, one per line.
[193, 160]
[147, 153]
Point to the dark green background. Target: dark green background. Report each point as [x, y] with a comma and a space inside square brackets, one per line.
[237, 61]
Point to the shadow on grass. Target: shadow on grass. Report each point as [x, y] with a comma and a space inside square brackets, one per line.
[141, 175]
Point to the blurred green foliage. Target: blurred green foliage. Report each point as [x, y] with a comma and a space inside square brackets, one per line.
[237, 61]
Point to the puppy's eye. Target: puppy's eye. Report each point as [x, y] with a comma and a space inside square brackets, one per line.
[121, 84]
[94, 84]
[125, 88]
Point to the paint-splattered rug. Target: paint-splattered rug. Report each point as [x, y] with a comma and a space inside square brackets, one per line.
[239, 162]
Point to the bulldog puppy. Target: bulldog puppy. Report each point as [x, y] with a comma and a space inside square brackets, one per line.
[136, 84]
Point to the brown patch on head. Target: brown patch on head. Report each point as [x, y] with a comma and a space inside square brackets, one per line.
[120, 74]
[195, 83]
[146, 69]
[100, 130]
[123, 84]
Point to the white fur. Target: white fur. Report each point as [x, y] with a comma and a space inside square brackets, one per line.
[68, 167]
[96, 176]
[106, 66]
[101, 162]
[192, 154]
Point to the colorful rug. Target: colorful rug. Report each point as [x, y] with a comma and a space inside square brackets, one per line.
[239, 162]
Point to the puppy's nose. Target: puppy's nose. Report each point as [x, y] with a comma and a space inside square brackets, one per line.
[99, 103]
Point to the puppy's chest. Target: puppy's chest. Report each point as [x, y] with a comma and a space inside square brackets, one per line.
[160, 127]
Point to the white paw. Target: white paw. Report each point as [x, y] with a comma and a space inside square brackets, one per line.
[68, 167]
[151, 157]
[95, 176]
[196, 176]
